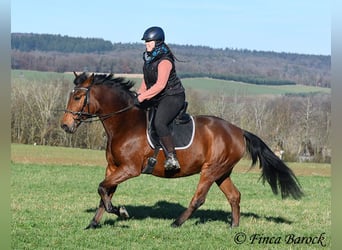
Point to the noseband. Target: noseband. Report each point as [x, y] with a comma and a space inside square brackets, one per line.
[83, 116]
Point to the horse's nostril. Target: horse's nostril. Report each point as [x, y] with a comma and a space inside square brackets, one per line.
[65, 127]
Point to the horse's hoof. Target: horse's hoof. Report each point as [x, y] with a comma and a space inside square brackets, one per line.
[234, 226]
[92, 225]
[175, 224]
[123, 213]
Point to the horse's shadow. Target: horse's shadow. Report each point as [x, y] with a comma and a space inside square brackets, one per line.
[168, 210]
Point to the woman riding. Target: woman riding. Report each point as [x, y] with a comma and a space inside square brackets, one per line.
[162, 86]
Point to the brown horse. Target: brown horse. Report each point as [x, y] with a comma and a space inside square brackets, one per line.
[217, 146]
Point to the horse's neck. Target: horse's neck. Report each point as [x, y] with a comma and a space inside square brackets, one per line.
[125, 123]
[120, 121]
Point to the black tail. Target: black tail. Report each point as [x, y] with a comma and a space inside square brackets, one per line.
[274, 170]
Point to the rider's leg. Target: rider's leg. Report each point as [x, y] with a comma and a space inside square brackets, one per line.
[168, 109]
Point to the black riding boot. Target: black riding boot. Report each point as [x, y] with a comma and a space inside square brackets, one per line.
[171, 162]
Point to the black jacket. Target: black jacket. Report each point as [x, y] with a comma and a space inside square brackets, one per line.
[150, 70]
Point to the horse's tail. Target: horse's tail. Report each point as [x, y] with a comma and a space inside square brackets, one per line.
[274, 170]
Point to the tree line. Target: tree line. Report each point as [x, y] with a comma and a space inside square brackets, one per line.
[64, 44]
[58, 53]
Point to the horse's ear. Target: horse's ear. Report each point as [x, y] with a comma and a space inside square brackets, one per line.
[91, 78]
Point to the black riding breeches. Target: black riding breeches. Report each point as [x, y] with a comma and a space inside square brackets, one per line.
[167, 110]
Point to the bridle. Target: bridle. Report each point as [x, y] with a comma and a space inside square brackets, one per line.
[83, 116]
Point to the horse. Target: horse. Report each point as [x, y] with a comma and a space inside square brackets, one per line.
[217, 147]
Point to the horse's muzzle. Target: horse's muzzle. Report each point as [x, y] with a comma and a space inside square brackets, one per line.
[66, 128]
[69, 128]
[69, 124]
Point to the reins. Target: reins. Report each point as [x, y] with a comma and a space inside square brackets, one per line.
[89, 117]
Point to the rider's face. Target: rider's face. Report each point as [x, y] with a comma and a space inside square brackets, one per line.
[150, 45]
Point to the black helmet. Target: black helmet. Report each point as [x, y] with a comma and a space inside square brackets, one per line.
[154, 34]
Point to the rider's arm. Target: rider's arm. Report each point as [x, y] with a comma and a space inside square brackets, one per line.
[142, 87]
[164, 69]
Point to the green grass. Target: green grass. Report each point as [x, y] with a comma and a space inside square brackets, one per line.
[24, 153]
[51, 203]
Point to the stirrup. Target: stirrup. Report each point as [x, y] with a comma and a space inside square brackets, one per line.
[171, 163]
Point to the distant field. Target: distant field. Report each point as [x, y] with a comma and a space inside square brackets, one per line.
[240, 88]
[54, 196]
[199, 84]
[30, 75]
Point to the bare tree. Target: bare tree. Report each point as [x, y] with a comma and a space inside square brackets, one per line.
[33, 108]
[217, 105]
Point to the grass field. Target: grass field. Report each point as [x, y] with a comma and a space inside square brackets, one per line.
[53, 197]
[240, 88]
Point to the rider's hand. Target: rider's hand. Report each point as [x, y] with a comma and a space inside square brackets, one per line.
[136, 101]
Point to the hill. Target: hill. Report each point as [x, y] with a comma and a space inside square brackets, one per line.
[44, 52]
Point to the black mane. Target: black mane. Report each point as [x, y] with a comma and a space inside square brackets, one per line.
[106, 79]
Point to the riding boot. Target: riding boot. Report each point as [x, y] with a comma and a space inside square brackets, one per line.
[171, 162]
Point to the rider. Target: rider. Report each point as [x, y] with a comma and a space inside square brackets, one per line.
[161, 85]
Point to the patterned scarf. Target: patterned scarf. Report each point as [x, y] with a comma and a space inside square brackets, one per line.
[156, 53]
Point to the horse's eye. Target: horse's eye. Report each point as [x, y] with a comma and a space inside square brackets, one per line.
[77, 97]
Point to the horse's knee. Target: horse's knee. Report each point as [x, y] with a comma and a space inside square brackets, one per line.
[101, 190]
[105, 191]
[105, 200]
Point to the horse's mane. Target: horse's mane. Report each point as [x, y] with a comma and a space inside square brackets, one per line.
[106, 79]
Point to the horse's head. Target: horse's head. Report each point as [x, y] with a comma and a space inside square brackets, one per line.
[94, 94]
[78, 108]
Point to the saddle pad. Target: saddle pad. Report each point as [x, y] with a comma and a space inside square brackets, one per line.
[182, 134]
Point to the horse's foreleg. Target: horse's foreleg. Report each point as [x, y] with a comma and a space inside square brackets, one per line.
[108, 186]
[106, 205]
[94, 223]
[197, 200]
[106, 199]
[233, 196]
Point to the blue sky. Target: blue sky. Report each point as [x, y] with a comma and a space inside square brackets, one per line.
[295, 26]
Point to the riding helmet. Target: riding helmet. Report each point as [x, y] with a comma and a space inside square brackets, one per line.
[154, 34]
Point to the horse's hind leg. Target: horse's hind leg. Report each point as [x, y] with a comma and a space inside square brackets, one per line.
[197, 200]
[233, 196]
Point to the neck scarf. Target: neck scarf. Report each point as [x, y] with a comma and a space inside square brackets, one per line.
[156, 53]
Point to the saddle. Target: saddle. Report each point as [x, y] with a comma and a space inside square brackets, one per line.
[182, 130]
